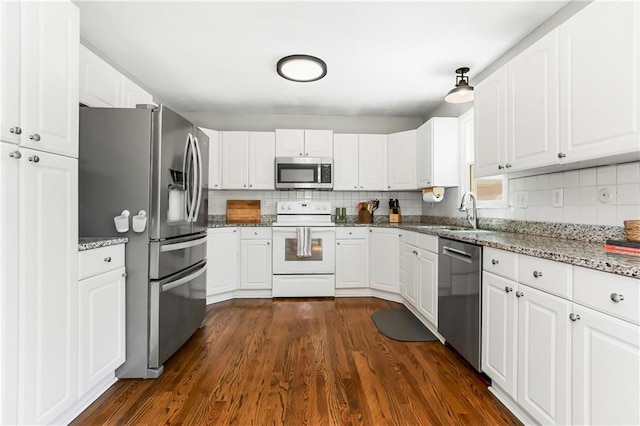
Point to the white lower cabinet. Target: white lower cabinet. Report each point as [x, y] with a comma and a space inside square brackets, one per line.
[427, 283]
[352, 255]
[255, 259]
[101, 318]
[222, 261]
[419, 273]
[408, 274]
[383, 254]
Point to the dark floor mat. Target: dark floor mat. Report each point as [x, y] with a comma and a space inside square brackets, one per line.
[402, 325]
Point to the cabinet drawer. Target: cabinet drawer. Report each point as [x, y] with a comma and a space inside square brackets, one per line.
[255, 233]
[600, 290]
[357, 233]
[100, 260]
[409, 237]
[546, 275]
[428, 242]
[500, 262]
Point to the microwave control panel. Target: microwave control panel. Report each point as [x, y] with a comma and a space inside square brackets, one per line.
[325, 173]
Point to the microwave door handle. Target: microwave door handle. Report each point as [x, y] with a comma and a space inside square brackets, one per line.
[199, 156]
[319, 175]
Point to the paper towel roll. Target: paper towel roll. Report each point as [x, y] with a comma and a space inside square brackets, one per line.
[430, 197]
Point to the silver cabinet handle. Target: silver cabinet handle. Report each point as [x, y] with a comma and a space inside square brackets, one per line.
[415, 252]
[508, 166]
[561, 155]
[34, 137]
[494, 261]
[519, 294]
[500, 167]
[35, 159]
[16, 130]
[537, 274]
[574, 317]
[107, 259]
[616, 298]
[15, 154]
[508, 289]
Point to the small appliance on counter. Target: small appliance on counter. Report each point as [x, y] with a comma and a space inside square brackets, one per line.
[395, 216]
[341, 215]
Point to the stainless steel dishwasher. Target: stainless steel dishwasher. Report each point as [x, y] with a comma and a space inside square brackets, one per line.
[459, 297]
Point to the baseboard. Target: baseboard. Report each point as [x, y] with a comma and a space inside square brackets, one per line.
[220, 297]
[392, 297]
[253, 294]
[83, 403]
[512, 406]
[353, 292]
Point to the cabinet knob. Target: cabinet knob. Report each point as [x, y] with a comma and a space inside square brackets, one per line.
[34, 137]
[494, 261]
[245, 185]
[15, 154]
[300, 154]
[561, 155]
[617, 298]
[500, 167]
[255, 233]
[216, 185]
[370, 230]
[537, 274]
[388, 186]
[107, 259]
[250, 185]
[415, 252]
[508, 289]
[428, 182]
[268, 243]
[15, 130]
[519, 293]
[337, 244]
[124, 274]
[35, 159]
[508, 166]
[360, 186]
[574, 317]
[355, 187]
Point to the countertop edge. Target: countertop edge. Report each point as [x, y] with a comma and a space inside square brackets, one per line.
[90, 243]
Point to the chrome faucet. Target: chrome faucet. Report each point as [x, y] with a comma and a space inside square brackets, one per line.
[473, 217]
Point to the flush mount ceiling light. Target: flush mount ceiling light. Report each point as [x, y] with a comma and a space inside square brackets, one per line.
[462, 92]
[301, 68]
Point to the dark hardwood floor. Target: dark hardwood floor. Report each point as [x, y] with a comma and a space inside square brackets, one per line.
[295, 362]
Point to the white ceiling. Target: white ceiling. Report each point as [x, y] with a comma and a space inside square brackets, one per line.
[384, 58]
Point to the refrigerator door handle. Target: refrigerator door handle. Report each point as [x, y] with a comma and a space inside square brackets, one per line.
[196, 172]
[173, 284]
[199, 156]
[186, 169]
[180, 246]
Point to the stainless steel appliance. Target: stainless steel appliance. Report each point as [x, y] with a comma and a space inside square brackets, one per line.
[304, 173]
[150, 158]
[459, 297]
[300, 271]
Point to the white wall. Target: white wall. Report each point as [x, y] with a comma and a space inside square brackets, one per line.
[410, 201]
[581, 204]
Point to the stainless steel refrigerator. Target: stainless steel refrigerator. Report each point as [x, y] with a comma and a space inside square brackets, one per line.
[150, 159]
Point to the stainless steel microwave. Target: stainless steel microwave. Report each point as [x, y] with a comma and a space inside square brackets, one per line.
[304, 173]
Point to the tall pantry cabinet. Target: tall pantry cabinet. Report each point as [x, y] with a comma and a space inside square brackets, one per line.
[38, 210]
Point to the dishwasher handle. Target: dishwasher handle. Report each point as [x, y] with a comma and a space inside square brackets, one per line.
[460, 255]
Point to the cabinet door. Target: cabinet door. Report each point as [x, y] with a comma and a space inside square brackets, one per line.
[351, 264]
[255, 264]
[427, 285]
[345, 162]
[372, 160]
[544, 349]
[383, 259]
[600, 81]
[100, 84]
[9, 280]
[235, 160]
[401, 149]
[499, 325]
[49, 95]
[411, 275]
[222, 257]
[533, 93]
[605, 369]
[48, 286]
[262, 151]
[101, 328]
[132, 94]
[10, 72]
[489, 115]
[215, 159]
[445, 148]
[318, 143]
[424, 151]
[289, 143]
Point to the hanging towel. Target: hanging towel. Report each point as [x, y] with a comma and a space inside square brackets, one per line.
[303, 235]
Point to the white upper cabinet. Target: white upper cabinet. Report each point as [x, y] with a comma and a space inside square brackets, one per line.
[600, 81]
[489, 116]
[372, 160]
[248, 160]
[437, 150]
[215, 159]
[304, 143]
[532, 106]
[101, 85]
[401, 152]
[39, 81]
[345, 162]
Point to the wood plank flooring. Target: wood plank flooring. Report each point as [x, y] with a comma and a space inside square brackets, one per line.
[302, 362]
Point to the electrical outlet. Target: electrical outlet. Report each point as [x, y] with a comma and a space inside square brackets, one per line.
[557, 199]
[521, 199]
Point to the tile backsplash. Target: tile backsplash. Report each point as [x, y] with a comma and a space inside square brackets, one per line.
[410, 201]
[619, 200]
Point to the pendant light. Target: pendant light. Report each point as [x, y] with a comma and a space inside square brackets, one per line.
[301, 68]
[462, 92]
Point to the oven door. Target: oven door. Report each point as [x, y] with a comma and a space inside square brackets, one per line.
[285, 249]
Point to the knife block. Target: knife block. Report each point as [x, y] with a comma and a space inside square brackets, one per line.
[365, 217]
[395, 217]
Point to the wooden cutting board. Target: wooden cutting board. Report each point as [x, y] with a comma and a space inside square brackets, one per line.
[243, 211]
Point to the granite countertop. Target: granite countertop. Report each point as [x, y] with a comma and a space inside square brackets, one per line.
[88, 243]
